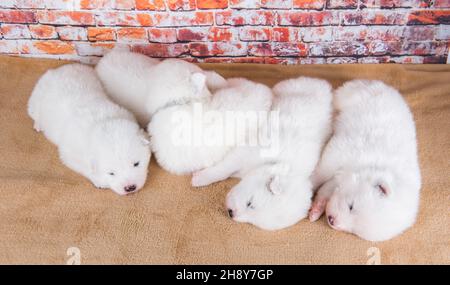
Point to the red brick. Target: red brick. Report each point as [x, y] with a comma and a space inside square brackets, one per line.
[43, 32]
[277, 49]
[245, 4]
[310, 18]
[281, 60]
[9, 47]
[308, 4]
[443, 32]
[144, 20]
[125, 4]
[341, 4]
[193, 34]
[245, 17]
[422, 3]
[160, 50]
[124, 19]
[66, 17]
[69, 33]
[383, 48]
[154, 5]
[442, 3]
[435, 59]
[96, 4]
[311, 60]
[407, 59]
[283, 34]
[419, 33]
[183, 19]
[27, 4]
[183, 5]
[395, 3]
[370, 17]
[341, 60]
[317, 34]
[222, 34]
[132, 34]
[276, 4]
[96, 48]
[425, 17]
[212, 4]
[162, 35]
[15, 31]
[337, 49]
[371, 59]
[384, 33]
[101, 34]
[255, 34]
[16, 16]
[350, 33]
[218, 49]
[424, 48]
[54, 47]
[234, 60]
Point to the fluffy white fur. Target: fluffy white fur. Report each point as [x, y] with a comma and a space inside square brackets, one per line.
[184, 156]
[275, 192]
[94, 136]
[369, 172]
[143, 84]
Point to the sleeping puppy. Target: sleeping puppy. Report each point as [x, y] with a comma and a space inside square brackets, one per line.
[191, 136]
[369, 174]
[143, 85]
[94, 136]
[275, 190]
[269, 198]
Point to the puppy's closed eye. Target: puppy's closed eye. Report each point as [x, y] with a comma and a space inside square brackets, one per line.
[268, 185]
[250, 204]
[136, 164]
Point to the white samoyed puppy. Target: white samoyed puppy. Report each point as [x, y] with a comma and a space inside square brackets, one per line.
[143, 84]
[196, 134]
[275, 190]
[94, 136]
[369, 173]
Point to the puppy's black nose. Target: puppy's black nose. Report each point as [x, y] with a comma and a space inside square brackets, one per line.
[130, 188]
[331, 220]
[230, 213]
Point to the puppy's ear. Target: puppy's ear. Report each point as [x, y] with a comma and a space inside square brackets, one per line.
[198, 79]
[215, 81]
[145, 139]
[274, 185]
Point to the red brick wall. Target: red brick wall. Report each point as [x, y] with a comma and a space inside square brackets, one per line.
[260, 31]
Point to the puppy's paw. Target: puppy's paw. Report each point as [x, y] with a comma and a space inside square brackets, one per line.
[99, 186]
[317, 209]
[200, 178]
